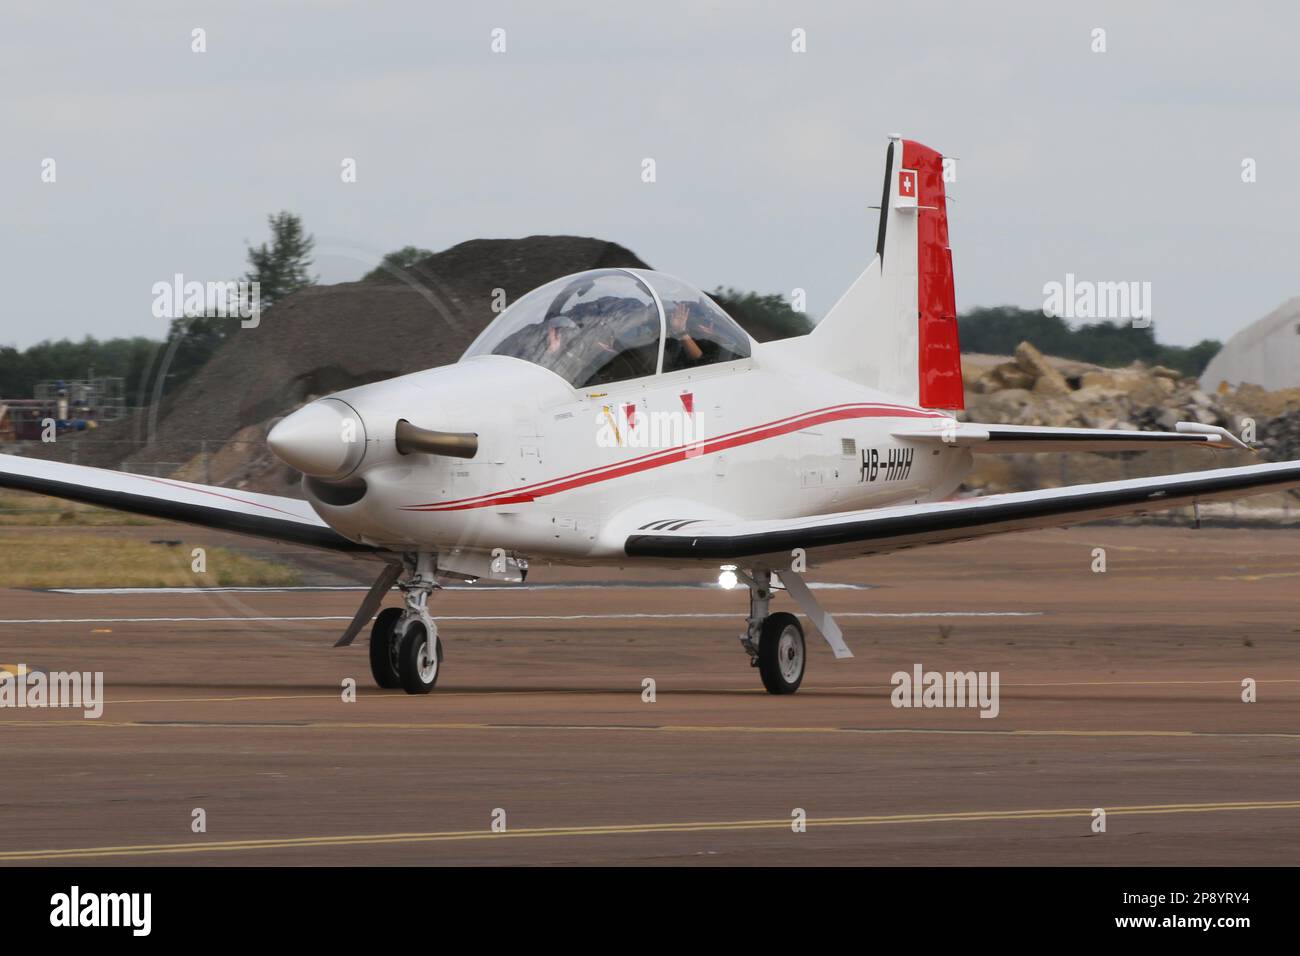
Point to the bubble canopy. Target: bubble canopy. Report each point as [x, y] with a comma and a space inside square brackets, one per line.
[610, 325]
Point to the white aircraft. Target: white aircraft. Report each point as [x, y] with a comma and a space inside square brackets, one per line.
[619, 417]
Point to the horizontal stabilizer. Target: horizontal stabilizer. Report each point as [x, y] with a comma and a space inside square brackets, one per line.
[1030, 439]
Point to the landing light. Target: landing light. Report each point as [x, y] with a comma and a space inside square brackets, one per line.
[727, 577]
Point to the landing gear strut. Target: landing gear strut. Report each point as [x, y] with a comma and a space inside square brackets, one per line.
[774, 642]
[405, 650]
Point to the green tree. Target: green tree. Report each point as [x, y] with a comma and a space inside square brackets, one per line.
[398, 261]
[999, 330]
[196, 339]
[284, 266]
[1193, 360]
[280, 267]
[65, 359]
[765, 317]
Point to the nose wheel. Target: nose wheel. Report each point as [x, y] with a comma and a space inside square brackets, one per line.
[400, 657]
[417, 660]
[383, 648]
[405, 650]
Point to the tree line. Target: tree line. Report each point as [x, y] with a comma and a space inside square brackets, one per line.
[998, 331]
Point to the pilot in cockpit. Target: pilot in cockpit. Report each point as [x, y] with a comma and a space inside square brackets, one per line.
[559, 352]
[559, 333]
[693, 337]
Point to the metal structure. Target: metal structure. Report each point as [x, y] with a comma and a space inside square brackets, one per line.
[100, 398]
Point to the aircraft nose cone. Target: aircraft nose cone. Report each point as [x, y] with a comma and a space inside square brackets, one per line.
[325, 439]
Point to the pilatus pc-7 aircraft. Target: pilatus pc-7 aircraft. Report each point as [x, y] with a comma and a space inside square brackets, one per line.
[619, 417]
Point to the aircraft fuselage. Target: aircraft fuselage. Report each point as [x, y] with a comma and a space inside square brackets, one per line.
[563, 475]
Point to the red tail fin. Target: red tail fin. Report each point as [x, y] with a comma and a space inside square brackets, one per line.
[939, 361]
[895, 329]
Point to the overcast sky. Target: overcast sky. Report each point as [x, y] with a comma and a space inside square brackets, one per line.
[1122, 165]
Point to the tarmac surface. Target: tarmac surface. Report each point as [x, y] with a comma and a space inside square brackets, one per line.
[1119, 690]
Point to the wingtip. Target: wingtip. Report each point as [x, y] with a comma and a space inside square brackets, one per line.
[1225, 438]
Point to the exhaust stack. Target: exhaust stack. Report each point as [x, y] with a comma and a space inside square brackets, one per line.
[412, 439]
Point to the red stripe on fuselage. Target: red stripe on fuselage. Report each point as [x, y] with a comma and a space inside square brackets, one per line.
[670, 456]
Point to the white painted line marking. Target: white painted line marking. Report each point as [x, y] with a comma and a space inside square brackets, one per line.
[502, 617]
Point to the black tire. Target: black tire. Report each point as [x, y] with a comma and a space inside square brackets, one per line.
[781, 663]
[383, 649]
[408, 660]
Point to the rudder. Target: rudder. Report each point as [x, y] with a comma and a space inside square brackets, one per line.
[895, 329]
[939, 359]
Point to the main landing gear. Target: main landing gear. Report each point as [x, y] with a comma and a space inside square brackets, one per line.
[405, 650]
[774, 642]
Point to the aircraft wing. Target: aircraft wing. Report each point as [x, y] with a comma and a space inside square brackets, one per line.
[881, 530]
[1001, 439]
[227, 509]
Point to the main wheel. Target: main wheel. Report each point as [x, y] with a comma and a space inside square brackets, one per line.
[418, 668]
[383, 648]
[781, 653]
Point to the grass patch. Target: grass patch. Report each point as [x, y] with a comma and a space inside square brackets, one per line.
[57, 560]
[25, 510]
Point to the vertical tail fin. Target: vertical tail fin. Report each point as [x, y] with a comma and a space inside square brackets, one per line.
[895, 329]
[939, 353]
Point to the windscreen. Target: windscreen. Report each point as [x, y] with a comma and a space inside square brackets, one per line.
[590, 329]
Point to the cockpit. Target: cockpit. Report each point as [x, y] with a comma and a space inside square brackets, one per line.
[610, 325]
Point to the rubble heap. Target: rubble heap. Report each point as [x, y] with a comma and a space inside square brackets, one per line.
[1032, 389]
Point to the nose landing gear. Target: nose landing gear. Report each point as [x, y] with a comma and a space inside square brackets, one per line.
[405, 650]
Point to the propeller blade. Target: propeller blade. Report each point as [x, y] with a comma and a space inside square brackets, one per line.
[374, 597]
[412, 438]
